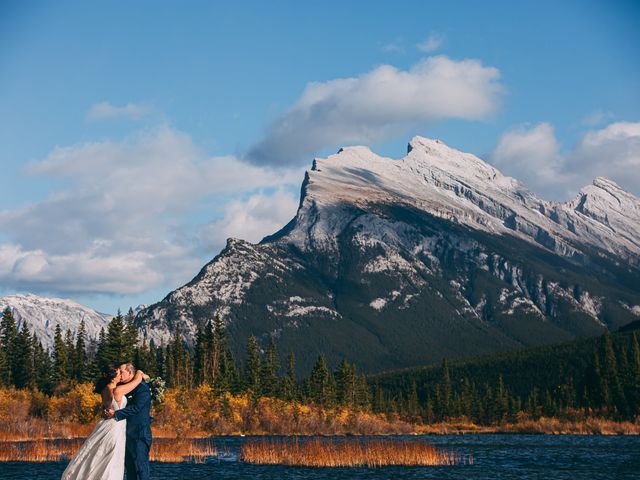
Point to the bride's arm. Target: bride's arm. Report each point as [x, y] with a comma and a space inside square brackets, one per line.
[125, 388]
[107, 397]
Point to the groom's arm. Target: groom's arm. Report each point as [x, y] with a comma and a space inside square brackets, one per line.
[141, 398]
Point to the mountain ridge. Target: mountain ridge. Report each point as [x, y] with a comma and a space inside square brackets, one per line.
[439, 245]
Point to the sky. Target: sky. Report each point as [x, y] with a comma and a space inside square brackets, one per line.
[136, 137]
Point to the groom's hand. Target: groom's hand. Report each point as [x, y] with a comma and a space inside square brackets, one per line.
[108, 413]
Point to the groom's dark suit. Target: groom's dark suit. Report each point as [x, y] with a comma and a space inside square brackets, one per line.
[136, 459]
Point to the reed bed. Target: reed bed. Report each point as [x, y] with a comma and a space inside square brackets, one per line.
[163, 450]
[347, 453]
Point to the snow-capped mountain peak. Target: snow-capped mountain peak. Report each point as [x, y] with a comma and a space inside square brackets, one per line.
[42, 314]
[437, 254]
[462, 188]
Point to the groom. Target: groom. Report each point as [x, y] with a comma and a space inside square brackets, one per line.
[136, 459]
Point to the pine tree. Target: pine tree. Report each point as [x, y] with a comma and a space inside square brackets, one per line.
[71, 354]
[117, 347]
[444, 391]
[42, 366]
[269, 370]
[203, 353]
[8, 334]
[345, 377]
[102, 356]
[320, 382]
[289, 386]
[23, 368]
[80, 360]
[179, 362]
[252, 366]
[5, 370]
[618, 402]
[633, 390]
[413, 405]
[60, 358]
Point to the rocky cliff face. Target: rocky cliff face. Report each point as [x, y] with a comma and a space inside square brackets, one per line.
[392, 263]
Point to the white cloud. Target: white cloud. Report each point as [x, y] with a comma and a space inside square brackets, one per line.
[105, 110]
[252, 219]
[123, 224]
[533, 155]
[377, 104]
[432, 43]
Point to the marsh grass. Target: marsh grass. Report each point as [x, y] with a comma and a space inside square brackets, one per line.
[163, 450]
[347, 453]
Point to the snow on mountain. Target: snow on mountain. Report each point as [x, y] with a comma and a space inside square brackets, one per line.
[463, 189]
[42, 314]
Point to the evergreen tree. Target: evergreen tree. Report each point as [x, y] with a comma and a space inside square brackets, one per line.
[117, 345]
[633, 390]
[618, 402]
[5, 370]
[202, 354]
[289, 382]
[71, 354]
[413, 405]
[60, 358]
[444, 394]
[8, 334]
[23, 368]
[252, 366]
[269, 370]
[80, 360]
[42, 366]
[179, 362]
[101, 359]
[345, 378]
[320, 382]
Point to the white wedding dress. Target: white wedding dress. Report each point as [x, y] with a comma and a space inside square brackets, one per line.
[101, 456]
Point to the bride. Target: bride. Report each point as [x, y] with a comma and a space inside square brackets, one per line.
[101, 456]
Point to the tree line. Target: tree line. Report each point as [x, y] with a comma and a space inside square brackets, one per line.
[600, 378]
[75, 358]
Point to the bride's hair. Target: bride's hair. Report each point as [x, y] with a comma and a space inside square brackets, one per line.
[108, 373]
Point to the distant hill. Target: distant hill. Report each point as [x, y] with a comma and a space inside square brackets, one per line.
[42, 314]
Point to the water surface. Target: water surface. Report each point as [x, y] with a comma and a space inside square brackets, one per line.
[499, 456]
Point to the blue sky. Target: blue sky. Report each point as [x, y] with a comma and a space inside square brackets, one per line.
[136, 136]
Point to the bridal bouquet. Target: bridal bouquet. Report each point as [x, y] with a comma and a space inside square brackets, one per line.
[157, 385]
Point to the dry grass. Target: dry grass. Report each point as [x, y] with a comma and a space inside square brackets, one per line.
[347, 453]
[587, 426]
[163, 450]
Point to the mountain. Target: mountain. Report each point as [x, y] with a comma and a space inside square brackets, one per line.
[42, 314]
[392, 263]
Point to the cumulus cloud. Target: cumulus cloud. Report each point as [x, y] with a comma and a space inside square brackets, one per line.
[253, 218]
[377, 104]
[533, 155]
[432, 43]
[122, 223]
[105, 110]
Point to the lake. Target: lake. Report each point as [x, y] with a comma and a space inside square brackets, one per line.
[554, 457]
